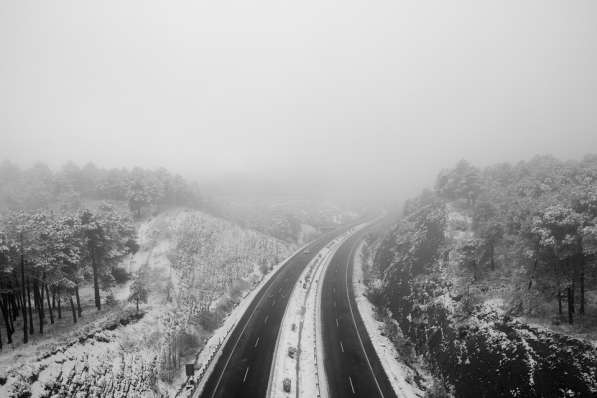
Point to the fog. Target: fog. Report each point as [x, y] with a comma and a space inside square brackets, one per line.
[365, 99]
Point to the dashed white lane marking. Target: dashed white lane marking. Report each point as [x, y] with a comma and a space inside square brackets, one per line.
[266, 318]
[341, 347]
[337, 325]
[256, 342]
[351, 385]
[247, 371]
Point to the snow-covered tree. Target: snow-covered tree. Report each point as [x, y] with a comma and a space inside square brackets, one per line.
[138, 290]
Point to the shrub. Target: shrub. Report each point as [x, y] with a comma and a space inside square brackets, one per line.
[120, 275]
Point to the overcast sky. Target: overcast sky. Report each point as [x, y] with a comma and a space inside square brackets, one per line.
[366, 94]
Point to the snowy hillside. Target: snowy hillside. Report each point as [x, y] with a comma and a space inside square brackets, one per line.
[196, 269]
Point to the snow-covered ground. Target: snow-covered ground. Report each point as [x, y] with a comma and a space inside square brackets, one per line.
[300, 330]
[111, 358]
[398, 373]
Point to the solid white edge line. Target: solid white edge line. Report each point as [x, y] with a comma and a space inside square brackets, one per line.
[350, 256]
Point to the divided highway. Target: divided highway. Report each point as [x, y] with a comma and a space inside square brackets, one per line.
[243, 368]
[351, 363]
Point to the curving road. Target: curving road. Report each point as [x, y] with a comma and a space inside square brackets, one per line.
[351, 363]
[243, 368]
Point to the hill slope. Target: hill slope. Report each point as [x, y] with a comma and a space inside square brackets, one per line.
[472, 261]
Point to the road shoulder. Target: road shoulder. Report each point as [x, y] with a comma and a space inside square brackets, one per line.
[398, 373]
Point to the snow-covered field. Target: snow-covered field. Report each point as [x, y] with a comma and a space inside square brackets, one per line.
[398, 373]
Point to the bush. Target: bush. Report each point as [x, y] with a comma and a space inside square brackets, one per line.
[438, 390]
[264, 268]
[189, 343]
[111, 300]
[237, 288]
[120, 275]
[208, 320]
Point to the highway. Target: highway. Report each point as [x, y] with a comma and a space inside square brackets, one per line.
[351, 363]
[243, 368]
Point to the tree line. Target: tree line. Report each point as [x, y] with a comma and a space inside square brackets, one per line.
[40, 187]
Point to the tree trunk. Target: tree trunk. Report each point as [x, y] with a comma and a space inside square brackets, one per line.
[474, 270]
[25, 335]
[572, 297]
[582, 285]
[79, 310]
[570, 305]
[559, 288]
[31, 330]
[137, 305]
[491, 252]
[14, 315]
[59, 307]
[18, 295]
[72, 307]
[8, 304]
[96, 291]
[49, 306]
[6, 316]
[11, 304]
[14, 309]
[39, 303]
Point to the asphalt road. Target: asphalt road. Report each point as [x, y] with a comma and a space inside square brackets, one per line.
[243, 369]
[351, 363]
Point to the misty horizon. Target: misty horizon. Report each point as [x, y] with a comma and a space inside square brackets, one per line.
[342, 99]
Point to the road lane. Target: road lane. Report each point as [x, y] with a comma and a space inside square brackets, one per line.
[352, 366]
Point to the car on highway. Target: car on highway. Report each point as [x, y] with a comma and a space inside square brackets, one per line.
[286, 384]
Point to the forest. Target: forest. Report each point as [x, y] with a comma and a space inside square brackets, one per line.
[61, 229]
[492, 278]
